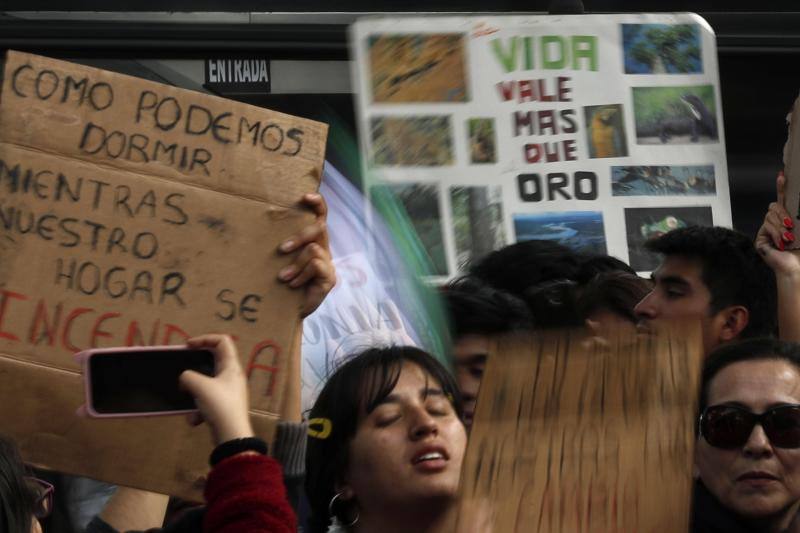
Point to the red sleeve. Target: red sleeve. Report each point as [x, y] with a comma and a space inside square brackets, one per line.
[246, 493]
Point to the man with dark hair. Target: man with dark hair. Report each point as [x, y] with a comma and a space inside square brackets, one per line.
[517, 267]
[524, 267]
[715, 275]
[477, 312]
[593, 265]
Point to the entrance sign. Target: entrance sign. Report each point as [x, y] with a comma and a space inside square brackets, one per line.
[237, 75]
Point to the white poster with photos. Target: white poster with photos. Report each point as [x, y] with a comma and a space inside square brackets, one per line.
[595, 131]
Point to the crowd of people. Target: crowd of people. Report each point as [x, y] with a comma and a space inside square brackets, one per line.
[384, 442]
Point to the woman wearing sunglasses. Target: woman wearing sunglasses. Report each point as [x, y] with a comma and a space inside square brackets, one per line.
[24, 500]
[748, 450]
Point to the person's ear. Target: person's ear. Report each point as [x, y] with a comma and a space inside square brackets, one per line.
[733, 321]
[593, 326]
[344, 491]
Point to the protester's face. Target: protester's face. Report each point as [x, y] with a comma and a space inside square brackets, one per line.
[679, 293]
[757, 479]
[408, 451]
[469, 355]
[36, 527]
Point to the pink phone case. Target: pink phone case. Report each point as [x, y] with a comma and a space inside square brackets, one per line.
[83, 358]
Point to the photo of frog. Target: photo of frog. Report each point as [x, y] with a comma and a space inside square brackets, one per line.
[645, 223]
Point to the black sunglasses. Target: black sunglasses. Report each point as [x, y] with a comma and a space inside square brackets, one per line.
[728, 426]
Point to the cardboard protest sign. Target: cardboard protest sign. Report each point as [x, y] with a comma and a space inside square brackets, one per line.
[133, 213]
[569, 439]
[791, 161]
[596, 131]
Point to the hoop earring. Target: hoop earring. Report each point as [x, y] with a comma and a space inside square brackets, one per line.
[332, 514]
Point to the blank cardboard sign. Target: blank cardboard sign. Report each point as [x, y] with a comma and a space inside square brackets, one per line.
[133, 213]
[569, 439]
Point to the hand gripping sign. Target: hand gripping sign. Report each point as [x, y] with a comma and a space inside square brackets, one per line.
[133, 213]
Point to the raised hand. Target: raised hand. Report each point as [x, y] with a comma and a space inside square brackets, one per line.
[222, 400]
[775, 235]
[313, 267]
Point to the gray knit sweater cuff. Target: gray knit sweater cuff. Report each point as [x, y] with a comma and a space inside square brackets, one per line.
[290, 448]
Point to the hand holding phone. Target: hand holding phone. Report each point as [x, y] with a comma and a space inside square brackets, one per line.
[203, 378]
[142, 381]
[223, 399]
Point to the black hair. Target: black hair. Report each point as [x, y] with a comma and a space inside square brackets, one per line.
[568, 303]
[732, 269]
[474, 307]
[617, 291]
[592, 265]
[517, 267]
[746, 350]
[17, 499]
[553, 303]
[356, 387]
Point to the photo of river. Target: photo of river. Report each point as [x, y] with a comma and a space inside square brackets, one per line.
[579, 230]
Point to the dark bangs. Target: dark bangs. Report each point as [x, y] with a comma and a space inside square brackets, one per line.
[364, 380]
[379, 379]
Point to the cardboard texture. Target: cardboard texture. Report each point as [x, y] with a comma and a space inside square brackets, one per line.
[568, 439]
[791, 161]
[133, 213]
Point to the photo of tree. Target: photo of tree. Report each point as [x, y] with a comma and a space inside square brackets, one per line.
[420, 201]
[477, 223]
[662, 49]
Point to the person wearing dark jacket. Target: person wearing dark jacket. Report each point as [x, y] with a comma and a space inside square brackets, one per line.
[748, 449]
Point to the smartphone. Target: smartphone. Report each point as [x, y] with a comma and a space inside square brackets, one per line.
[141, 381]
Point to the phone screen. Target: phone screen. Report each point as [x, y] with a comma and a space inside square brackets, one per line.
[146, 381]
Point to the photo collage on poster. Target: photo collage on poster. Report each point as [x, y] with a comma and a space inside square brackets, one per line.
[599, 136]
[432, 68]
[666, 114]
